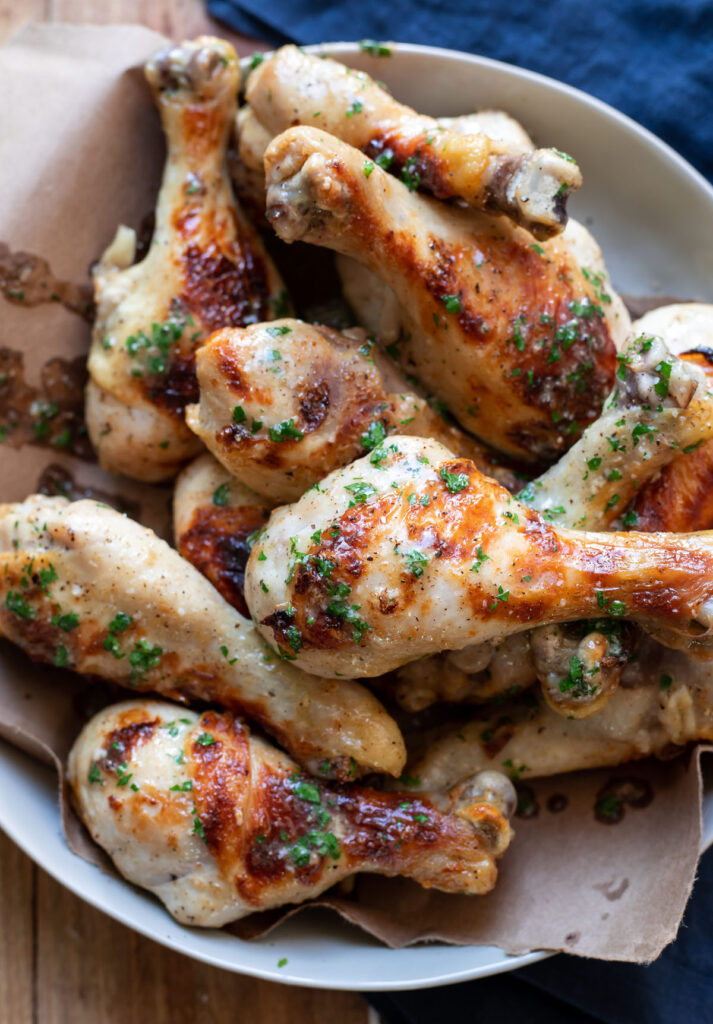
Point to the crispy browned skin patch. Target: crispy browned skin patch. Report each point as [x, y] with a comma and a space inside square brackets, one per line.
[216, 543]
[680, 498]
[264, 814]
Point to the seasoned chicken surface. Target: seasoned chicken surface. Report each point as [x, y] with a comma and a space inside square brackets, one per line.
[214, 517]
[86, 588]
[251, 140]
[531, 187]
[512, 336]
[283, 404]
[660, 407]
[218, 823]
[680, 497]
[411, 551]
[666, 702]
[206, 268]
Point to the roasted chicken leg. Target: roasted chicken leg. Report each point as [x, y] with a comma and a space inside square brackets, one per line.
[218, 823]
[666, 702]
[411, 551]
[283, 404]
[86, 588]
[530, 186]
[512, 336]
[206, 268]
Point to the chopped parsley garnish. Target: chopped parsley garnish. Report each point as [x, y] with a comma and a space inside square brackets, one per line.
[373, 436]
[361, 490]
[666, 682]
[285, 431]
[616, 608]
[120, 623]
[502, 595]
[692, 447]
[409, 174]
[182, 787]
[306, 791]
[517, 335]
[239, 414]
[481, 557]
[574, 682]
[639, 431]
[385, 160]
[455, 482]
[367, 168]
[323, 843]
[205, 740]
[16, 603]
[452, 303]
[221, 495]
[631, 518]
[664, 371]
[416, 561]
[61, 657]
[95, 774]
[356, 108]
[375, 49]
[145, 656]
[66, 622]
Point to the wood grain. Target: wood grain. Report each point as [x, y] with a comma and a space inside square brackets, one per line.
[61, 961]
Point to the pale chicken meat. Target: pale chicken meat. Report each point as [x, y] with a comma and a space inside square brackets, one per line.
[512, 336]
[218, 824]
[530, 187]
[666, 703]
[86, 588]
[411, 551]
[215, 518]
[205, 268]
[282, 404]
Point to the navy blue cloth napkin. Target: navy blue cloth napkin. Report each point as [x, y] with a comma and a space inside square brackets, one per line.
[653, 60]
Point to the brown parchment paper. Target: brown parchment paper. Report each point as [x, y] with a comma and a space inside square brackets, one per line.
[81, 152]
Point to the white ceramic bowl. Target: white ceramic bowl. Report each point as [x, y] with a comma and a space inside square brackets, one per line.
[653, 216]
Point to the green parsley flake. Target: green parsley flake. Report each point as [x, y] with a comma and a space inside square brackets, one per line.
[285, 431]
[221, 495]
[455, 482]
[452, 303]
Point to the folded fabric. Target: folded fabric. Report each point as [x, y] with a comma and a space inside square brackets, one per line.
[651, 59]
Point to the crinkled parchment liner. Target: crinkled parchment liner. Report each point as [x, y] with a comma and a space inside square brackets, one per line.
[81, 151]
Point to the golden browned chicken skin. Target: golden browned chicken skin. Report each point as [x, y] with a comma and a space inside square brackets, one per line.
[85, 588]
[214, 520]
[206, 268]
[529, 186]
[284, 403]
[410, 551]
[219, 824]
[512, 336]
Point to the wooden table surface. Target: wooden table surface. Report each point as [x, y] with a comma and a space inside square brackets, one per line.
[61, 961]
